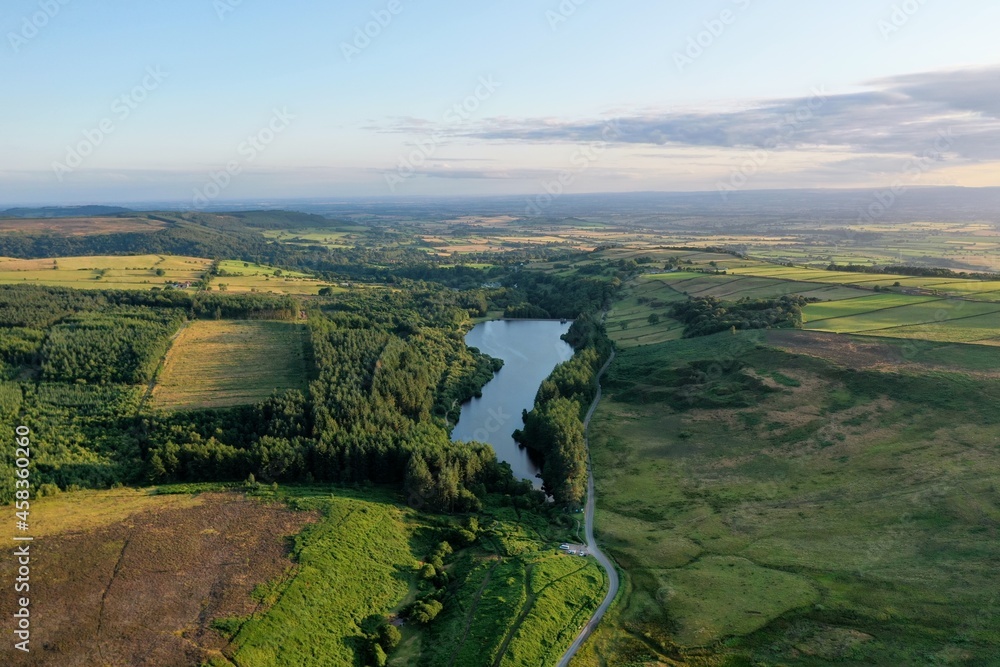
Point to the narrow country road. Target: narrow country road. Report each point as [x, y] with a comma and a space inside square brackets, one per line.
[595, 550]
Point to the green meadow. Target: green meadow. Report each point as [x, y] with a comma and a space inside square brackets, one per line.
[778, 508]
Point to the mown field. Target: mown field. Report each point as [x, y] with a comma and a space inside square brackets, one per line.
[847, 307]
[983, 290]
[222, 363]
[803, 507]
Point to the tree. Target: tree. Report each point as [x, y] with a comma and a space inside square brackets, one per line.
[426, 611]
[379, 658]
[653, 319]
[389, 637]
[419, 485]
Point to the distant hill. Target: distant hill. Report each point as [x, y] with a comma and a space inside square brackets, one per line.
[63, 211]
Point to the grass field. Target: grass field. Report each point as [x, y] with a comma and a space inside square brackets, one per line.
[983, 290]
[214, 364]
[628, 322]
[800, 509]
[144, 272]
[908, 317]
[238, 277]
[139, 272]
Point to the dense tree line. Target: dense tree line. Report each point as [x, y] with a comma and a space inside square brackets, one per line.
[918, 271]
[39, 307]
[555, 427]
[703, 316]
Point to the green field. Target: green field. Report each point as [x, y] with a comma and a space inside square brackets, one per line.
[140, 272]
[356, 563]
[512, 599]
[522, 602]
[931, 319]
[628, 322]
[783, 510]
[222, 363]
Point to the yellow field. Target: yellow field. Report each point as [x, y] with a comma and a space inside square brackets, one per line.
[104, 272]
[217, 364]
[83, 511]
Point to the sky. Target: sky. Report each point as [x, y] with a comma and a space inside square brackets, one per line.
[205, 101]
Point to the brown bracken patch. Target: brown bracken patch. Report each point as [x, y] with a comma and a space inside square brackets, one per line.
[144, 591]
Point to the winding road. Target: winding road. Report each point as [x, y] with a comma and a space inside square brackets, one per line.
[602, 558]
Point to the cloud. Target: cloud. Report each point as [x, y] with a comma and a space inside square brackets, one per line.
[903, 115]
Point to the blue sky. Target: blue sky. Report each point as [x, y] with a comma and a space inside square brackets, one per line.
[174, 99]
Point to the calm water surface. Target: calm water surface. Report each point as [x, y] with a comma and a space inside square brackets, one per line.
[531, 349]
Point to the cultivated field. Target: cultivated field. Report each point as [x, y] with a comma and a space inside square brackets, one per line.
[140, 272]
[128, 578]
[215, 364]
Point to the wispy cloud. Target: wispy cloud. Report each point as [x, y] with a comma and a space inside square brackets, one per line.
[895, 116]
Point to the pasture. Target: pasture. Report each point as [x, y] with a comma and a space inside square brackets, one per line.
[138, 272]
[216, 364]
[242, 277]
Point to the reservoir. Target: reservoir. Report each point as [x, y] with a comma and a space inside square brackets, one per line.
[530, 349]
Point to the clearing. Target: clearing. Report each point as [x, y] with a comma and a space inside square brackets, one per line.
[222, 363]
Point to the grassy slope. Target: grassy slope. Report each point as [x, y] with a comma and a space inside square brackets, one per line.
[354, 564]
[512, 599]
[843, 517]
